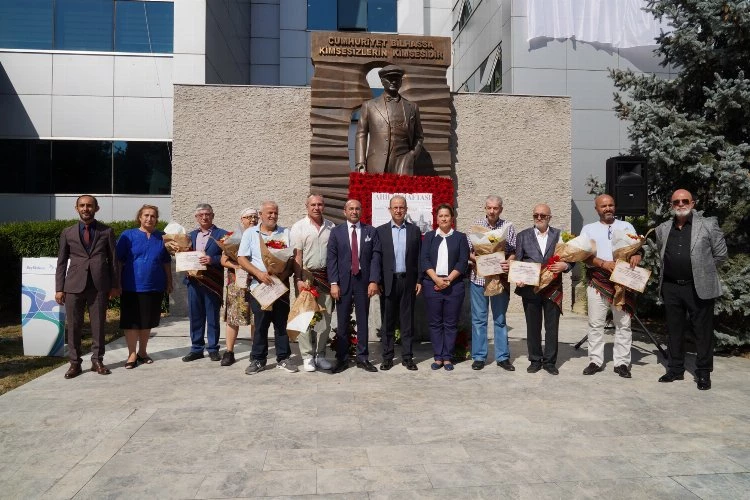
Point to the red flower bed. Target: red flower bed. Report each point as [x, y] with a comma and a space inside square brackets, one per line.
[361, 187]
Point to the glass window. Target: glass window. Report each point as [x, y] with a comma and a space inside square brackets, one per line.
[465, 14]
[381, 16]
[26, 166]
[84, 24]
[142, 167]
[144, 26]
[352, 15]
[82, 166]
[322, 15]
[26, 24]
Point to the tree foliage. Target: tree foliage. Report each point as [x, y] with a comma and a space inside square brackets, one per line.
[694, 128]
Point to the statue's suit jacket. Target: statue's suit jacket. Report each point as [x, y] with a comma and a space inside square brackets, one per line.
[373, 119]
[707, 251]
[100, 263]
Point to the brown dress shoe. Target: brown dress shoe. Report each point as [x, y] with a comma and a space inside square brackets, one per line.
[98, 367]
[73, 371]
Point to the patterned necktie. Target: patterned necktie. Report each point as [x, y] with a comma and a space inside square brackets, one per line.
[355, 251]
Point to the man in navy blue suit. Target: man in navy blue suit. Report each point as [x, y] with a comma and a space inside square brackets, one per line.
[205, 288]
[353, 262]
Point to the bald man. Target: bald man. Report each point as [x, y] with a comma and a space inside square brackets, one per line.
[600, 291]
[691, 248]
[537, 244]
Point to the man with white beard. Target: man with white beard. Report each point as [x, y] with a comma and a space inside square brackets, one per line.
[691, 248]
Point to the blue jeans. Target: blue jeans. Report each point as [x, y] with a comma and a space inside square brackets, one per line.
[203, 310]
[479, 306]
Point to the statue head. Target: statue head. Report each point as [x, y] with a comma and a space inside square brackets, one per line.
[390, 77]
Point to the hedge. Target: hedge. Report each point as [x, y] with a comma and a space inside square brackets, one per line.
[33, 239]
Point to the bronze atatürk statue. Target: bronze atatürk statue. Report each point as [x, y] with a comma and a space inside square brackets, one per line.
[394, 129]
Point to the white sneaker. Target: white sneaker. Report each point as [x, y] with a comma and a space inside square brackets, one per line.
[308, 364]
[323, 363]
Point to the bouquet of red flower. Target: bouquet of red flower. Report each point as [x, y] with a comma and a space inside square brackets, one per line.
[303, 312]
[484, 242]
[624, 246]
[230, 244]
[576, 250]
[277, 257]
[176, 238]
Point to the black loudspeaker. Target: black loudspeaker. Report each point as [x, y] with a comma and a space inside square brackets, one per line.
[627, 183]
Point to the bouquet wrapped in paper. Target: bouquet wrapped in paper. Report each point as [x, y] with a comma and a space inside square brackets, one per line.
[624, 246]
[576, 249]
[484, 242]
[230, 244]
[176, 238]
[303, 312]
[277, 257]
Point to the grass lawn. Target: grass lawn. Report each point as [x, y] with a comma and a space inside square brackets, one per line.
[17, 369]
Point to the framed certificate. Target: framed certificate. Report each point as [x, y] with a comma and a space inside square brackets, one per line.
[634, 279]
[524, 272]
[266, 295]
[490, 264]
[188, 261]
[240, 278]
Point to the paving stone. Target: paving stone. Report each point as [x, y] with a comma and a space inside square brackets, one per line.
[718, 486]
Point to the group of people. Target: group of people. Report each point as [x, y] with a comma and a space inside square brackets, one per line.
[348, 264]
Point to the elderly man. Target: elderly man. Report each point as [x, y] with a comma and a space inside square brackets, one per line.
[394, 129]
[691, 248]
[91, 278]
[493, 207]
[600, 291]
[401, 242]
[205, 289]
[250, 258]
[353, 262]
[310, 240]
[537, 244]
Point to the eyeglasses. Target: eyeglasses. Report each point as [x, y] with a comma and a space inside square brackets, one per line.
[249, 216]
[683, 201]
[542, 216]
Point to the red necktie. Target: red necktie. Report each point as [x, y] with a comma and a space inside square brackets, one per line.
[86, 236]
[355, 251]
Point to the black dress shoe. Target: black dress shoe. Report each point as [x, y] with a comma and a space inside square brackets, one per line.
[386, 365]
[410, 364]
[551, 369]
[592, 369]
[192, 356]
[367, 366]
[623, 371]
[703, 382]
[534, 367]
[340, 366]
[506, 365]
[214, 355]
[227, 359]
[477, 365]
[73, 371]
[671, 377]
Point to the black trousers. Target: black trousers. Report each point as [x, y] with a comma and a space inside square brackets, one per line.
[681, 301]
[398, 305]
[535, 309]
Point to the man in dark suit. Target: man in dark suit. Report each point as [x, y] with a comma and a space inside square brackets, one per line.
[691, 248]
[394, 129]
[537, 244]
[91, 279]
[205, 289]
[401, 242]
[353, 264]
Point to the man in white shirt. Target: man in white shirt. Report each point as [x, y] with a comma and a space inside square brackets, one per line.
[600, 292]
[250, 258]
[309, 237]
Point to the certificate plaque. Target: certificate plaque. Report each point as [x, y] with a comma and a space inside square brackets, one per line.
[490, 264]
[524, 272]
[634, 279]
[240, 278]
[188, 261]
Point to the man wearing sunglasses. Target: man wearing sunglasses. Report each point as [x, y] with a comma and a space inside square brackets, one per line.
[691, 248]
[600, 291]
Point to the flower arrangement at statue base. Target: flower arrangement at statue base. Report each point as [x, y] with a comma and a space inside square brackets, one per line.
[362, 186]
[351, 334]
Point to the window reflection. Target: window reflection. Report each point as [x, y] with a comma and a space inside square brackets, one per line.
[322, 15]
[79, 164]
[381, 16]
[84, 24]
[142, 167]
[144, 26]
[26, 24]
[352, 15]
[26, 166]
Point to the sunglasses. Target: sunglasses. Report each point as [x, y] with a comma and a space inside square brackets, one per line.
[542, 216]
[683, 201]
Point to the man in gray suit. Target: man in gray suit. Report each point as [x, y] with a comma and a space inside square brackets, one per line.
[691, 248]
[537, 244]
[394, 128]
[89, 281]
